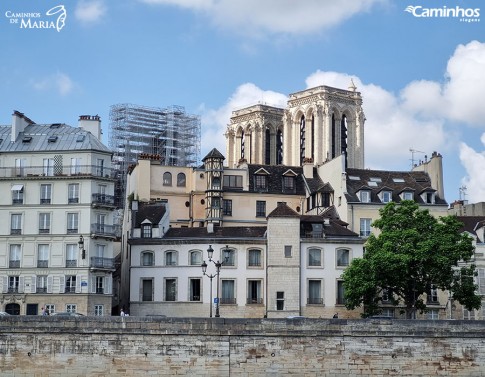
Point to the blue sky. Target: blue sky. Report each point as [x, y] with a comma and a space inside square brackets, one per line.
[422, 78]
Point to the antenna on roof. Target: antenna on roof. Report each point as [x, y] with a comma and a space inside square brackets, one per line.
[413, 151]
[463, 194]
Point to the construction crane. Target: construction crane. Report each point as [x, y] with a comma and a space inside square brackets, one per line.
[413, 151]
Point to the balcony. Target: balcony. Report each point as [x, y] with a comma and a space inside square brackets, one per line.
[14, 264]
[106, 231]
[103, 200]
[71, 263]
[42, 263]
[13, 289]
[70, 290]
[99, 291]
[228, 301]
[254, 301]
[15, 231]
[314, 301]
[89, 171]
[41, 290]
[99, 263]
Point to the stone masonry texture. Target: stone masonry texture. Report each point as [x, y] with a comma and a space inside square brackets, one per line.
[148, 346]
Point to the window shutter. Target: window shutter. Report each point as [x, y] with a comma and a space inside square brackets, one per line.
[5, 284]
[92, 284]
[78, 283]
[33, 283]
[109, 284]
[21, 284]
[62, 285]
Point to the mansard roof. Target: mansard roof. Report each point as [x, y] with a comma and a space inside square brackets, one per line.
[471, 224]
[153, 212]
[50, 137]
[275, 175]
[376, 181]
[219, 232]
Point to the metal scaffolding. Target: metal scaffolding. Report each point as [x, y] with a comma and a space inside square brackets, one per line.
[169, 133]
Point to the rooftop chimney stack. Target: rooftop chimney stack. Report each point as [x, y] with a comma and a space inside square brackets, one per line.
[19, 122]
[91, 123]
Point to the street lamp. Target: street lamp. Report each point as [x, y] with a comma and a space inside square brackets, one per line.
[81, 247]
[210, 253]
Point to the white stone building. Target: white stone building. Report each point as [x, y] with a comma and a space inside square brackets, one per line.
[57, 232]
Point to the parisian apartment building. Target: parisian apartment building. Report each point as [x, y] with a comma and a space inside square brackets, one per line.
[57, 232]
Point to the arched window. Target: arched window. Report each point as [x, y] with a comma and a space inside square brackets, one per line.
[267, 147]
[302, 138]
[147, 258]
[171, 258]
[181, 180]
[279, 147]
[216, 183]
[343, 257]
[314, 257]
[167, 179]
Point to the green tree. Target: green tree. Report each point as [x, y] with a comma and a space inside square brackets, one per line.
[413, 252]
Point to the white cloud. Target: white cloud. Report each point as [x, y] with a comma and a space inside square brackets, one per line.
[275, 16]
[475, 178]
[59, 81]
[89, 11]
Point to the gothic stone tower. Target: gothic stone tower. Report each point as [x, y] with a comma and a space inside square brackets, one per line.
[317, 125]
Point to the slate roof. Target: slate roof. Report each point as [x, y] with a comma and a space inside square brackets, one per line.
[214, 153]
[62, 136]
[275, 178]
[334, 228]
[152, 212]
[379, 180]
[471, 224]
[316, 184]
[282, 210]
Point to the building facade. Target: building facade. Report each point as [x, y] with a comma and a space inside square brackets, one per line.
[56, 237]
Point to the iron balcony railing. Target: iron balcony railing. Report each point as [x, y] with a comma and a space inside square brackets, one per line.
[314, 301]
[103, 200]
[71, 263]
[254, 301]
[102, 263]
[14, 264]
[42, 263]
[228, 300]
[103, 230]
[58, 170]
[41, 290]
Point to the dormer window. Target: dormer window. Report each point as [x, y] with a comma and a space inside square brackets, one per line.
[386, 196]
[407, 195]
[146, 231]
[364, 196]
[261, 182]
[289, 185]
[428, 197]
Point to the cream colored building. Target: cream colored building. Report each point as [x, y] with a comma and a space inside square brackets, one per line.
[57, 209]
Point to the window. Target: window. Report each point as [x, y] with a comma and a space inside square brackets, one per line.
[99, 167]
[468, 314]
[289, 185]
[343, 257]
[315, 292]
[70, 284]
[433, 295]
[194, 289]
[100, 250]
[227, 207]
[407, 195]
[15, 256]
[71, 255]
[195, 258]
[147, 258]
[254, 292]
[42, 256]
[314, 257]
[16, 223]
[428, 197]
[75, 165]
[44, 223]
[99, 284]
[45, 193]
[72, 223]
[227, 292]
[481, 281]
[50, 308]
[215, 202]
[340, 292]
[71, 308]
[365, 227]
[287, 251]
[13, 284]
[231, 258]
[73, 193]
[387, 312]
[147, 289]
[146, 231]
[386, 295]
[254, 258]
[433, 314]
[260, 208]
[232, 181]
[260, 182]
[216, 183]
[41, 284]
[48, 167]
[181, 180]
[98, 310]
[365, 196]
[280, 300]
[386, 196]
[170, 289]
[167, 179]
[170, 258]
[18, 194]
[19, 167]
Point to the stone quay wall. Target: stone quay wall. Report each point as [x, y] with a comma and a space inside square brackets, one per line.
[150, 346]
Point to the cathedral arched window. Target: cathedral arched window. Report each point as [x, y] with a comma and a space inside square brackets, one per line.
[302, 138]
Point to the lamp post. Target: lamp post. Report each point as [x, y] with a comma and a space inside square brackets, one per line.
[218, 265]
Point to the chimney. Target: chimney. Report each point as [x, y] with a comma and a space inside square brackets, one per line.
[91, 123]
[308, 169]
[19, 122]
[210, 228]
